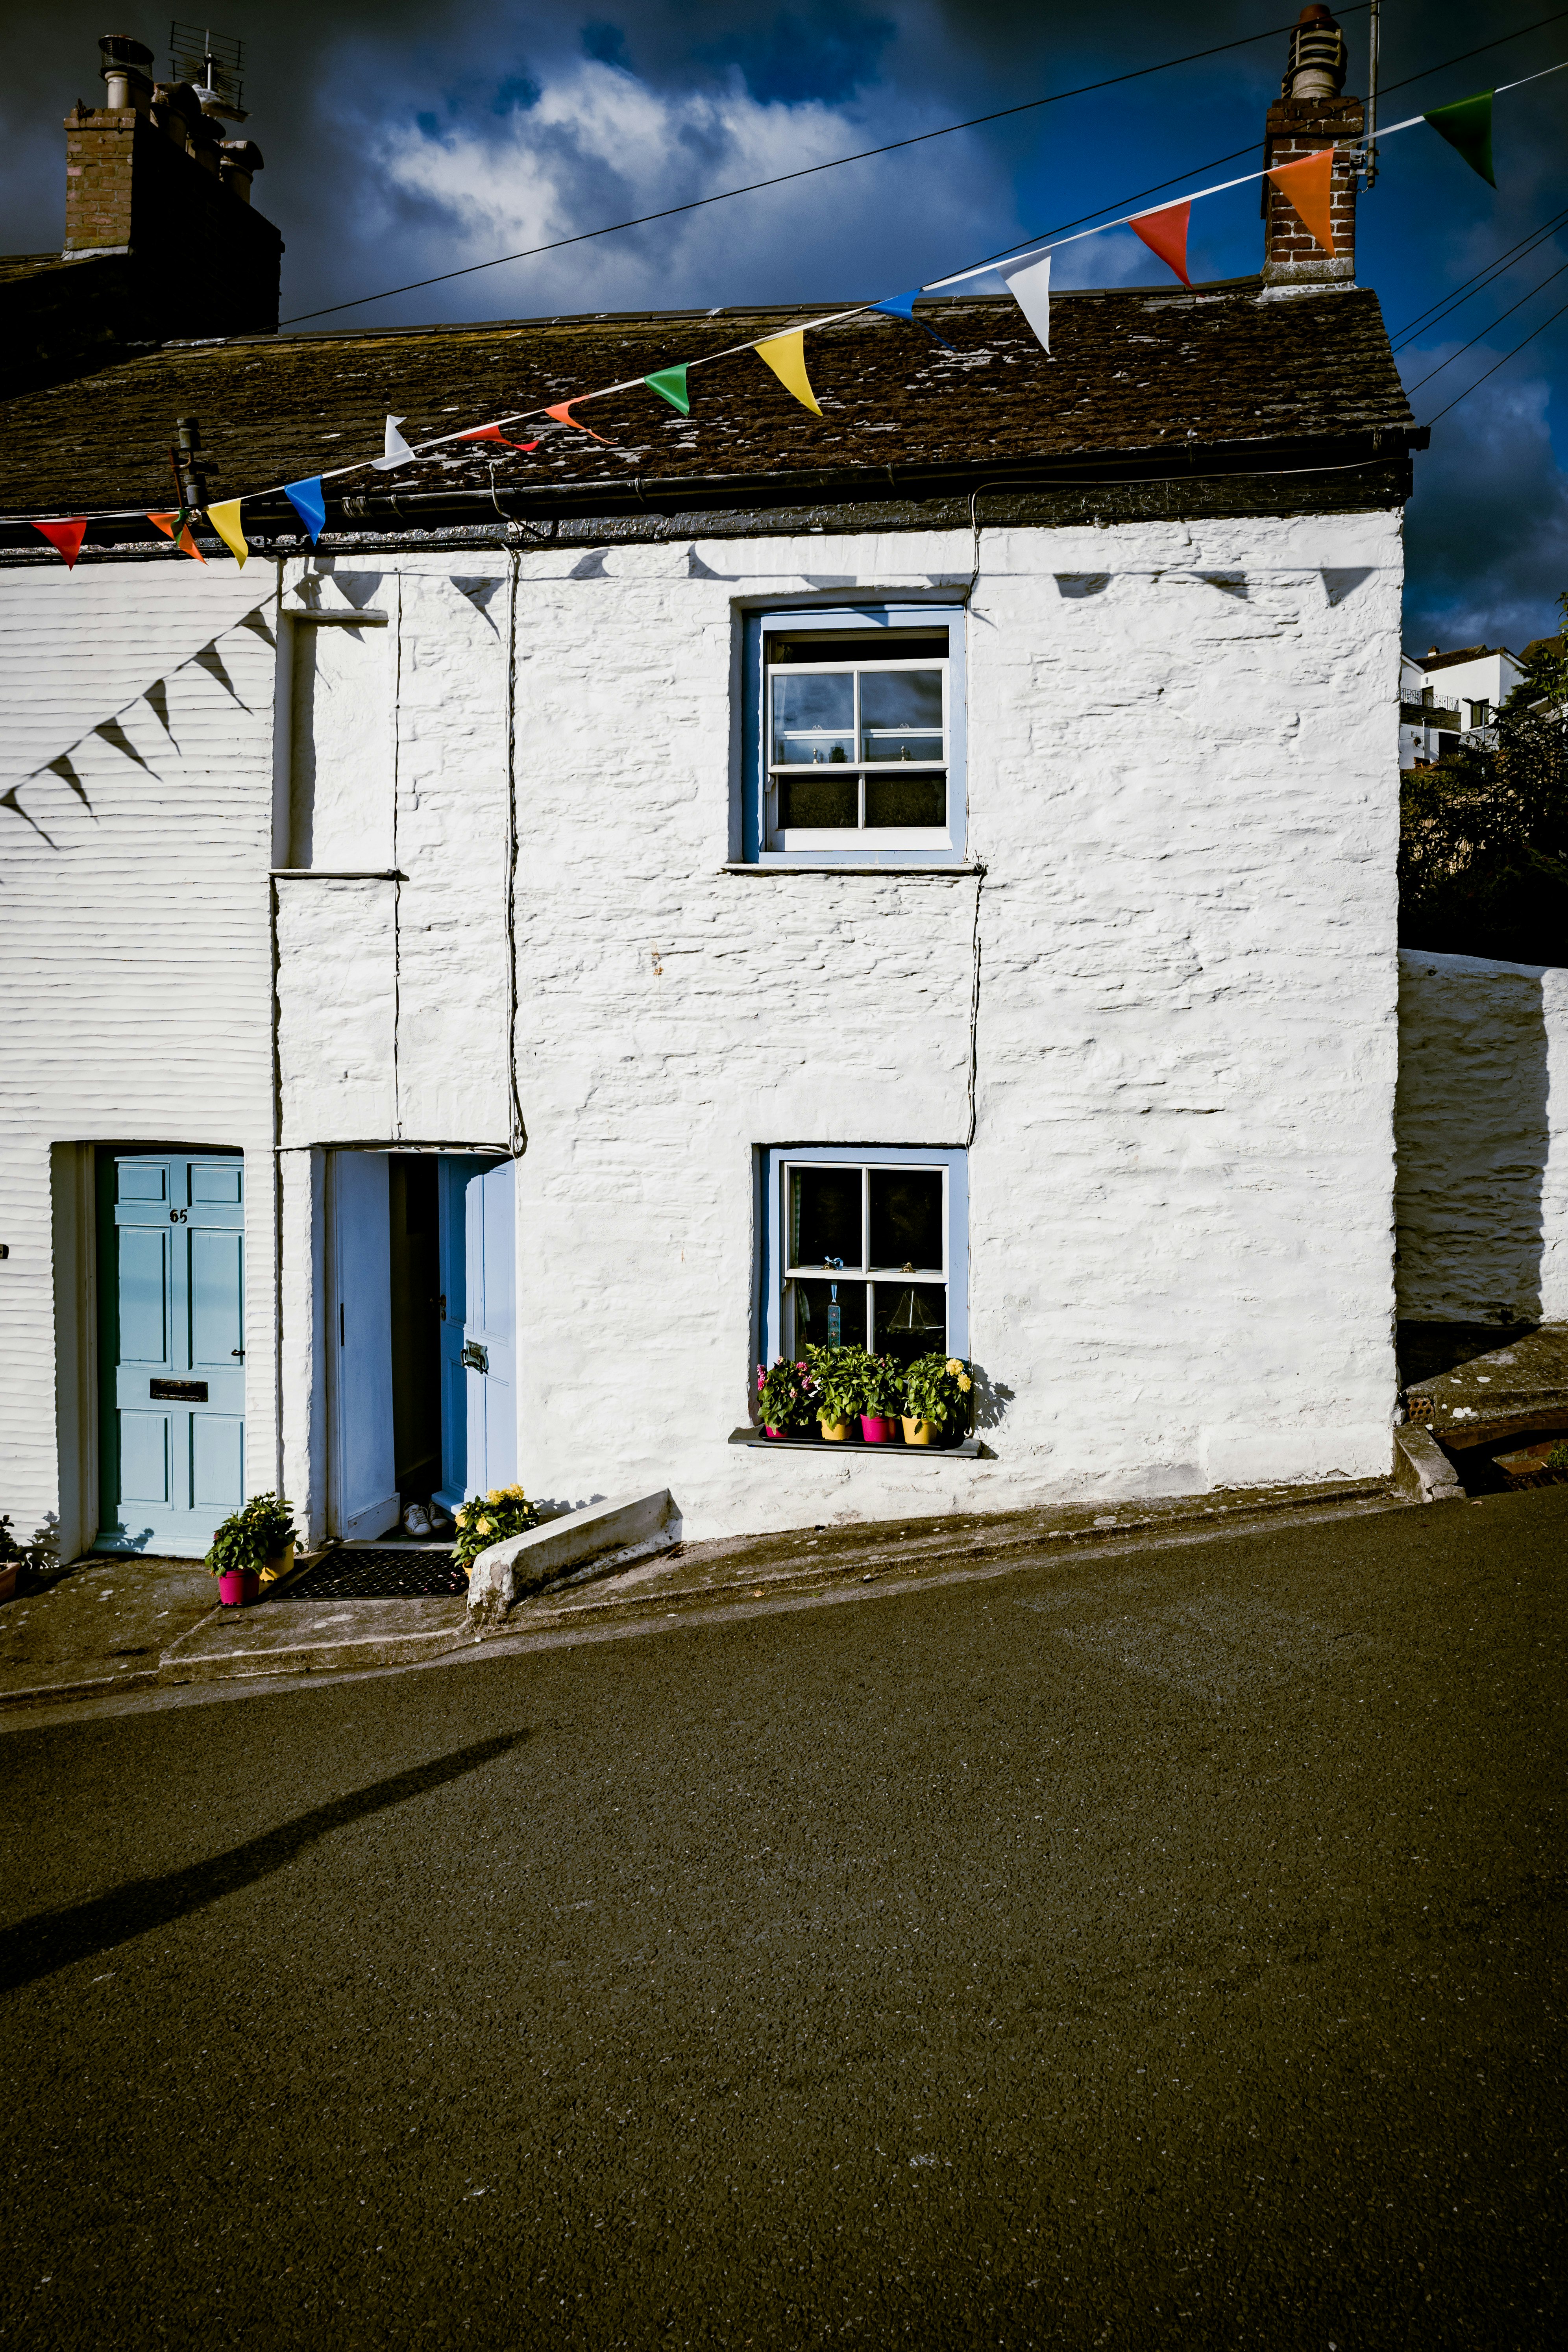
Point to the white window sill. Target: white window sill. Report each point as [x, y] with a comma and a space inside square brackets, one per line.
[952, 868]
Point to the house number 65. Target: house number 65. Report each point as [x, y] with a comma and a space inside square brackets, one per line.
[178, 1216]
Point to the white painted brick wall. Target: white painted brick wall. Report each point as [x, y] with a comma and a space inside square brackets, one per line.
[1482, 1127]
[135, 963]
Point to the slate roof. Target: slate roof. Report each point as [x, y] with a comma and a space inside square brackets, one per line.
[1133, 372]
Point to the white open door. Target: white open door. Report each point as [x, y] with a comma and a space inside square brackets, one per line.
[363, 1481]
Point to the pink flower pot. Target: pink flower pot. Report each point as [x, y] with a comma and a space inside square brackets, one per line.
[878, 1430]
[773, 1432]
[237, 1586]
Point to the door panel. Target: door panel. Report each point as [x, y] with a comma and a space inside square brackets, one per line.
[478, 1345]
[364, 1499]
[171, 1348]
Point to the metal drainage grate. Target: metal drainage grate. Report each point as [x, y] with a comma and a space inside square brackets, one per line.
[400, 1572]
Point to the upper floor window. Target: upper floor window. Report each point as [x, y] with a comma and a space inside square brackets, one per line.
[857, 737]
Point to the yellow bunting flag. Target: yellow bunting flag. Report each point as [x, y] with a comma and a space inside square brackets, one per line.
[225, 520]
[785, 354]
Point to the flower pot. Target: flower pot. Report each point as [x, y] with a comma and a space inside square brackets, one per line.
[280, 1567]
[921, 1433]
[879, 1429]
[835, 1432]
[8, 1579]
[237, 1586]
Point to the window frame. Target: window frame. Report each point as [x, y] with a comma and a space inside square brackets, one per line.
[773, 1320]
[940, 846]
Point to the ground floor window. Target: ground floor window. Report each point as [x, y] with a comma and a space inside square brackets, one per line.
[865, 1246]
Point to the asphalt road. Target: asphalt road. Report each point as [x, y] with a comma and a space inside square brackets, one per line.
[1132, 1951]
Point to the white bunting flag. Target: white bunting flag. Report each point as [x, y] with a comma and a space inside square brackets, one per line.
[1029, 283]
[398, 452]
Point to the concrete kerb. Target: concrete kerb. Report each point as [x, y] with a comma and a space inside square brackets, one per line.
[601, 1540]
[1421, 1468]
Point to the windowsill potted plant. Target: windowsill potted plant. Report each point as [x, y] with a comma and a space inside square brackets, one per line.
[489, 1519]
[882, 1397]
[253, 1548]
[786, 1398]
[840, 1376]
[936, 1389]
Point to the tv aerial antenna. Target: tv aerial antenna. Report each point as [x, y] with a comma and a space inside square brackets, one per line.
[213, 63]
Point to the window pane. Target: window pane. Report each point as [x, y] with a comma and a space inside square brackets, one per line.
[910, 1319]
[909, 697]
[821, 1321]
[895, 799]
[906, 1217]
[824, 1217]
[819, 800]
[878, 646]
[813, 720]
[880, 744]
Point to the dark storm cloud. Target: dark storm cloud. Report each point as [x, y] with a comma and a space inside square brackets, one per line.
[403, 139]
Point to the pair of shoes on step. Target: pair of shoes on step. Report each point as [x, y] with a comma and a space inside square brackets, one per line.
[417, 1521]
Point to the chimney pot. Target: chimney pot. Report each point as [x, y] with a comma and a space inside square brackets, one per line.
[1318, 58]
[123, 66]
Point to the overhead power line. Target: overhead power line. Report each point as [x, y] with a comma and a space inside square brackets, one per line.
[1468, 287]
[917, 139]
[1501, 363]
[1486, 330]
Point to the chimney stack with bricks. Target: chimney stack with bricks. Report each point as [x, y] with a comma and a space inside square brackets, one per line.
[1311, 114]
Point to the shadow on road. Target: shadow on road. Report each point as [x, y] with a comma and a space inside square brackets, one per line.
[54, 1939]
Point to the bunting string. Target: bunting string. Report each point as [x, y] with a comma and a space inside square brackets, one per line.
[1307, 183]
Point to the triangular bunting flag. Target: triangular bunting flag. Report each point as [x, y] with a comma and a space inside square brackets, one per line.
[903, 306]
[398, 452]
[670, 385]
[225, 520]
[785, 354]
[177, 527]
[494, 433]
[1029, 284]
[1467, 125]
[1166, 233]
[561, 411]
[308, 503]
[67, 537]
[1307, 184]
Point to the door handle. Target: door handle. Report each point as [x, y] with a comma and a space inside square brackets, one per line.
[476, 1358]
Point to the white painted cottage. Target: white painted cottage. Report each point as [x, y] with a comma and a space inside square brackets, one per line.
[478, 985]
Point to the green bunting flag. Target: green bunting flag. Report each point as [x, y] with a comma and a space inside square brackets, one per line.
[1467, 125]
[670, 385]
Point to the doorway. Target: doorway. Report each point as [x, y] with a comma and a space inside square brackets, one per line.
[422, 1314]
[171, 1258]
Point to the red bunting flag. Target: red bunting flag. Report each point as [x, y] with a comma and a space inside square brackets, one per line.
[564, 411]
[494, 433]
[1307, 184]
[166, 523]
[1166, 233]
[67, 537]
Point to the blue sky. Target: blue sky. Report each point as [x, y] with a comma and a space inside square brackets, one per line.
[401, 141]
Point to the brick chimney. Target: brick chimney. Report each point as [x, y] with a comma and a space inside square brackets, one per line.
[1309, 115]
[151, 183]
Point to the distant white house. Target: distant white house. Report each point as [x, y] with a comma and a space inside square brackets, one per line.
[1444, 698]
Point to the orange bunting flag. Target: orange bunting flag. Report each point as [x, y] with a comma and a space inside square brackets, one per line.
[785, 354]
[1307, 184]
[562, 413]
[494, 433]
[182, 536]
[1166, 233]
[66, 538]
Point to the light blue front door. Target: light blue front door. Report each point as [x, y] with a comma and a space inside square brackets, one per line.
[172, 1348]
[479, 1330]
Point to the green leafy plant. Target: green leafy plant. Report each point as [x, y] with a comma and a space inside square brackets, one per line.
[937, 1388]
[840, 1374]
[787, 1395]
[490, 1519]
[1558, 1457]
[883, 1379]
[263, 1530]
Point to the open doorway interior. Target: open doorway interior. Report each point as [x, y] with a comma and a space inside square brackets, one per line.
[413, 1240]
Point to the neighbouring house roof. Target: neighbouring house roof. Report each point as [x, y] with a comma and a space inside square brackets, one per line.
[1465, 654]
[1143, 382]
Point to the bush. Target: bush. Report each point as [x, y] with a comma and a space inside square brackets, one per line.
[841, 1377]
[263, 1530]
[490, 1519]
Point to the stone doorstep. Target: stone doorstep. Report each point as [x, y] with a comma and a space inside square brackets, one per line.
[1519, 1387]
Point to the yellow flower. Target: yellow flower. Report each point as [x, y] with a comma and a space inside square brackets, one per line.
[461, 1515]
[953, 1365]
[495, 1496]
[482, 1528]
[964, 1382]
